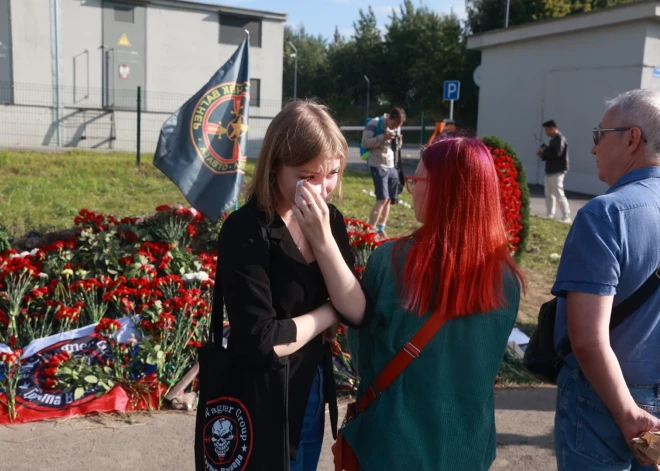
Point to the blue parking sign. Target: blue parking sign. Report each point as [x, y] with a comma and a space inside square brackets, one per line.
[452, 90]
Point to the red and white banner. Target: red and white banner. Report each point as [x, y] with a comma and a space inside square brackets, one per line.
[35, 401]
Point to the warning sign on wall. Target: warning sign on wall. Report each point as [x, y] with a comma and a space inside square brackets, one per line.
[123, 41]
[124, 71]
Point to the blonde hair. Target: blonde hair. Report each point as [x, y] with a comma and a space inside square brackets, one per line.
[301, 133]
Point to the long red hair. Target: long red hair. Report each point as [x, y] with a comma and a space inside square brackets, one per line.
[456, 262]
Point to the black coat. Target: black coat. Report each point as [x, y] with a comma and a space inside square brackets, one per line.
[555, 155]
[265, 282]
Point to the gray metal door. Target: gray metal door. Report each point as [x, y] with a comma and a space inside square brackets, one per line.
[124, 40]
[5, 53]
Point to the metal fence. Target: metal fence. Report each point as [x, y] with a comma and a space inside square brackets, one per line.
[36, 116]
[33, 115]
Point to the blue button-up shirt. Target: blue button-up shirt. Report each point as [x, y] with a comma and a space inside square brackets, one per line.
[611, 250]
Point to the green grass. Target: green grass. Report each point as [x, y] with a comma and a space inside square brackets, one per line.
[539, 264]
[44, 191]
[546, 237]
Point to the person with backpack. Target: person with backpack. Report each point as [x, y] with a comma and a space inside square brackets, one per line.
[608, 387]
[449, 295]
[381, 137]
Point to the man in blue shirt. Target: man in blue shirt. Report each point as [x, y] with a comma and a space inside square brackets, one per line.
[609, 387]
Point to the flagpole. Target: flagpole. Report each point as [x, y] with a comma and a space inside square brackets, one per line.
[247, 33]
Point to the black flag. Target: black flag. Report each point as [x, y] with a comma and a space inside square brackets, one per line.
[202, 146]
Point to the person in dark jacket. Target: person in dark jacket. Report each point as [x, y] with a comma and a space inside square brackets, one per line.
[555, 156]
[287, 274]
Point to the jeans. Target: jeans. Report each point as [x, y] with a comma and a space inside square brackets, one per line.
[311, 436]
[586, 436]
[554, 191]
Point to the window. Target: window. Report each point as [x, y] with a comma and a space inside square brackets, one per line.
[232, 30]
[255, 92]
[124, 14]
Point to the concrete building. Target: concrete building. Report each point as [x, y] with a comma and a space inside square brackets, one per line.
[564, 69]
[70, 69]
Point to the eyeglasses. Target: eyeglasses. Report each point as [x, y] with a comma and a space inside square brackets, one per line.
[598, 133]
[412, 181]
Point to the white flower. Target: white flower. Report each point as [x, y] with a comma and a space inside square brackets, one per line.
[365, 191]
[43, 275]
[554, 256]
[34, 252]
[199, 276]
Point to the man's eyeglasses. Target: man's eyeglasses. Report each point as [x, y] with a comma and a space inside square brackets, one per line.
[412, 181]
[598, 132]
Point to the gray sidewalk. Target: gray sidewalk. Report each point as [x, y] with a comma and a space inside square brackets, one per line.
[164, 441]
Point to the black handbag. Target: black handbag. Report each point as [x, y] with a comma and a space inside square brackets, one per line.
[541, 359]
[242, 414]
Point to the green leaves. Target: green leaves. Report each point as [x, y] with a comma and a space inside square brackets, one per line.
[91, 379]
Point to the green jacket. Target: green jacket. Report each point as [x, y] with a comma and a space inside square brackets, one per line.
[439, 413]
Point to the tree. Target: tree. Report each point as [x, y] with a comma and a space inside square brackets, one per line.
[408, 65]
[487, 15]
[422, 50]
[312, 63]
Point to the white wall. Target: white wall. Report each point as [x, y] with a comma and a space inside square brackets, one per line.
[31, 52]
[651, 57]
[561, 77]
[183, 52]
[183, 63]
[82, 31]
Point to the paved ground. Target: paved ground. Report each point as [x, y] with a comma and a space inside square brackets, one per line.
[164, 441]
[537, 201]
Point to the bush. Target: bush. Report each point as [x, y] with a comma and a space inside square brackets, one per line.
[495, 143]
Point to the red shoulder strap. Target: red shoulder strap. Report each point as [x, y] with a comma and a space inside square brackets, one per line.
[401, 360]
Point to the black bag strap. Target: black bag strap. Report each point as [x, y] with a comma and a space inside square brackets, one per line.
[626, 308]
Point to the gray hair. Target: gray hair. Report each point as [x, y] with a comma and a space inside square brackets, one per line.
[640, 108]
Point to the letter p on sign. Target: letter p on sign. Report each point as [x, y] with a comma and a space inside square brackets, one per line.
[452, 90]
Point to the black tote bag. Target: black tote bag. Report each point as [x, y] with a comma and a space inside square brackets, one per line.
[242, 421]
[242, 415]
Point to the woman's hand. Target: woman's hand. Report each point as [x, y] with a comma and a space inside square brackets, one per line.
[313, 216]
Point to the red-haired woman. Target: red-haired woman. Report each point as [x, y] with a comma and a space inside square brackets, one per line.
[438, 414]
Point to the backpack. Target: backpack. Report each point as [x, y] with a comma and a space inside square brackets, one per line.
[540, 358]
[364, 153]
